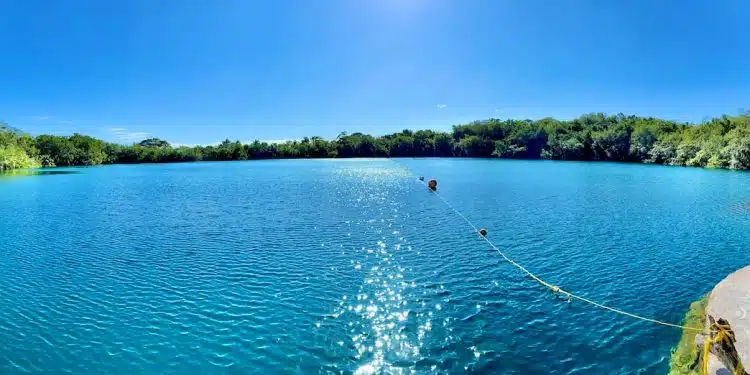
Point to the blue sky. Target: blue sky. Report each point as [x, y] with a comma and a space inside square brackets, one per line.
[195, 71]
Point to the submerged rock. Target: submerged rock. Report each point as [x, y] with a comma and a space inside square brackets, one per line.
[729, 304]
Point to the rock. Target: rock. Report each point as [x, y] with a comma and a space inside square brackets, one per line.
[722, 358]
[685, 357]
[728, 304]
[730, 301]
[715, 366]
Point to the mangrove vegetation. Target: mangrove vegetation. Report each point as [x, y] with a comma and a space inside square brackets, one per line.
[722, 142]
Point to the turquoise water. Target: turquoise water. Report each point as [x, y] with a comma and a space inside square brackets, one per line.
[330, 266]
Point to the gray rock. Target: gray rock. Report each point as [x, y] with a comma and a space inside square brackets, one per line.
[730, 302]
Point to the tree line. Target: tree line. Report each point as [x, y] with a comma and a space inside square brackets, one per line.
[722, 142]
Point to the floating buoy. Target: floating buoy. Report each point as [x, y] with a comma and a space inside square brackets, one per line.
[421, 178]
[483, 232]
[432, 185]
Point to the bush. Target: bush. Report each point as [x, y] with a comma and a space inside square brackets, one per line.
[14, 157]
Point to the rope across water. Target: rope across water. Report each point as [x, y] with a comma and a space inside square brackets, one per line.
[555, 289]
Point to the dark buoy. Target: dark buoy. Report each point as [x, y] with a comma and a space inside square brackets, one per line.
[432, 185]
[421, 178]
[483, 232]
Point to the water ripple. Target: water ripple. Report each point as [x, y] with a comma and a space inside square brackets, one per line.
[348, 266]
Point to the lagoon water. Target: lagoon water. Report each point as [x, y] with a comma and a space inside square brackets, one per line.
[351, 266]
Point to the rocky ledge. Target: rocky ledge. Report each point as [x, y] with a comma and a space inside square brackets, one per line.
[729, 305]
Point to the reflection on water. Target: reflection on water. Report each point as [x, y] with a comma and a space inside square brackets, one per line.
[34, 172]
[743, 207]
[390, 315]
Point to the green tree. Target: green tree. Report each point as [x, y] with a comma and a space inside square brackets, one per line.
[722, 142]
[14, 157]
[475, 146]
[153, 142]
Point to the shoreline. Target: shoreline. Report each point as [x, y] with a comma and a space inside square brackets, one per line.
[53, 168]
[722, 142]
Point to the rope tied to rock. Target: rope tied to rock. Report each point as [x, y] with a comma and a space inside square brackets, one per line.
[723, 334]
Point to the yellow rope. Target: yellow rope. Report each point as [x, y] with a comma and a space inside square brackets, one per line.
[555, 289]
[723, 332]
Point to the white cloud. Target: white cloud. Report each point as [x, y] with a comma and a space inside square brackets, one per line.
[276, 141]
[125, 135]
[441, 106]
[52, 132]
[177, 144]
[51, 118]
[269, 141]
[182, 144]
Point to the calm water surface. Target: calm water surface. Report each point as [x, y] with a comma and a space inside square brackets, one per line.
[350, 266]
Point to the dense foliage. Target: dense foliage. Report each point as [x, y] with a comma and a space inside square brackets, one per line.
[719, 143]
[16, 149]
